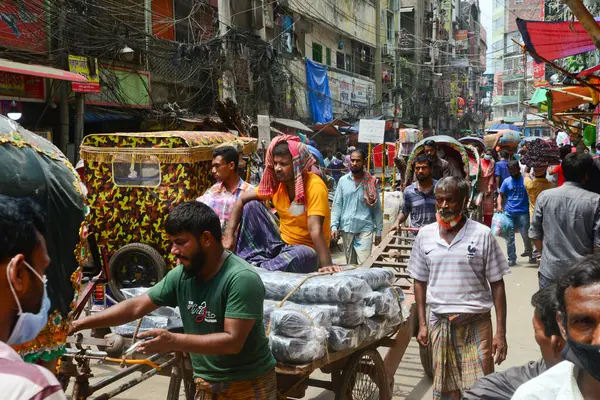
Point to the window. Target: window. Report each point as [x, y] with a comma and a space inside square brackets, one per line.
[349, 67]
[390, 26]
[498, 23]
[317, 52]
[518, 1]
[136, 170]
[339, 60]
[328, 56]
[498, 4]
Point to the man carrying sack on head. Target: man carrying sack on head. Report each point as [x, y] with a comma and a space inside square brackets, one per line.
[301, 242]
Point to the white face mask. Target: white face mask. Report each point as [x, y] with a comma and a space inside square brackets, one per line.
[28, 325]
[487, 157]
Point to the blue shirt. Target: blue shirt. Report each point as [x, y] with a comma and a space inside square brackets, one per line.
[515, 194]
[351, 213]
[420, 207]
[501, 170]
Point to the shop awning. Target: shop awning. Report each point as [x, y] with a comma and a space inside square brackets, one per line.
[290, 123]
[39, 70]
[553, 40]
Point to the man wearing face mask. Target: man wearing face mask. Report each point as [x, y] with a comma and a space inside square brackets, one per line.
[220, 297]
[356, 211]
[458, 270]
[24, 303]
[578, 377]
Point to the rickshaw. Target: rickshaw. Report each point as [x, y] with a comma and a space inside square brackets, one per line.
[31, 166]
[133, 180]
[463, 158]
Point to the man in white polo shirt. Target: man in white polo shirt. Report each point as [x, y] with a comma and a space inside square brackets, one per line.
[458, 268]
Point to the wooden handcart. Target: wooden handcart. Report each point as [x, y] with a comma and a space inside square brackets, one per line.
[355, 373]
[393, 252]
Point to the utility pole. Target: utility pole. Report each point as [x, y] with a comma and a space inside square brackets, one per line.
[378, 61]
[79, 113]
[228, 81]
[587, 20]
[63, 142]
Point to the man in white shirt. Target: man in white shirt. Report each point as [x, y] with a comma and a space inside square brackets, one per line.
[23, 300]
[578, 377]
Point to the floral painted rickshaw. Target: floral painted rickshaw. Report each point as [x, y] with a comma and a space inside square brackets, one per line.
[133, 180]
[31, 166]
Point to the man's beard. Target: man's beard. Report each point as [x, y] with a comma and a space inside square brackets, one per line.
[422, 179]
[356, 171]
[197, 263]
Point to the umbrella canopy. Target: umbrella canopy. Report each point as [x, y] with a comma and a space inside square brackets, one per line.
[31, 166]
[499, 127]
[553, 40]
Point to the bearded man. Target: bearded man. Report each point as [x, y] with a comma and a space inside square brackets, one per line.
[419, 197]
[458, 270]
[356, 211]
[220, 298]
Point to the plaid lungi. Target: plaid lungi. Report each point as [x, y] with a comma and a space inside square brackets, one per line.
[262, 388]
[260, 244]
[462, 352]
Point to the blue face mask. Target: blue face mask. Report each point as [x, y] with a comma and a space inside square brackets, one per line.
[487, 157]
[28, 325]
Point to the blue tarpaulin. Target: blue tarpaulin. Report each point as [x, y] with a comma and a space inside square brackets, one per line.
[319, 96]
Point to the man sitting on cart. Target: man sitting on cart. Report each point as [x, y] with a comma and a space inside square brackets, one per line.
[222, 195]
[301, 200]
[220, 298]
[441, 167]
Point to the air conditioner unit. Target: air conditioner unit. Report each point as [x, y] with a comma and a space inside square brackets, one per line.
[386, 51]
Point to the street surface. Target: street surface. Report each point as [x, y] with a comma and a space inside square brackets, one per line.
[411, 383]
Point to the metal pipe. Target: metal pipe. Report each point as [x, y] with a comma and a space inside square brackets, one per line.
[128, 385]
[119, 375]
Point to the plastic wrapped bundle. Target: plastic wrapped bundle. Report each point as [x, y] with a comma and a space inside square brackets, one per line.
[344, 338]
[375, 277]
[376, 328]
[268, 308]
[307, 323]
[320, 289]
[346, 315]
[391, 300]
[296, 350]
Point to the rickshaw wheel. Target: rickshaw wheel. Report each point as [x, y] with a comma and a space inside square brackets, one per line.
[363, 378]
[135, 265]
[426, 353]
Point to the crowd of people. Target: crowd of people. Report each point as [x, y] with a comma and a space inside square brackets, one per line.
[457, 265]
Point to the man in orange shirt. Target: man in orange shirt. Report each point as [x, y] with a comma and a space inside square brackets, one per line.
[301, 242]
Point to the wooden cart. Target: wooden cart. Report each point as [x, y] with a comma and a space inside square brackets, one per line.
[393, 252]
[355, 373]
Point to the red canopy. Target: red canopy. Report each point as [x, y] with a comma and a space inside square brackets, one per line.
[553, 40]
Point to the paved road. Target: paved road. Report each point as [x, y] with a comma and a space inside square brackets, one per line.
[410, 383]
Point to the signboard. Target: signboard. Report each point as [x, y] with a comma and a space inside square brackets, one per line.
[22, 25]
[22, 86]
[349, 91]
[446, 18]
[122, 87]
[539, 75]
[462, 39]
[264, 129]
[371, 131]
[81, 66]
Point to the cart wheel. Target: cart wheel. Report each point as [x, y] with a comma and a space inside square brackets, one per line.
[426, 353]
[135, 265]
[363, 378]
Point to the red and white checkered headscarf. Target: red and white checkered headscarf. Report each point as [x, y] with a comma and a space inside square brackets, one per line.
[302, 160]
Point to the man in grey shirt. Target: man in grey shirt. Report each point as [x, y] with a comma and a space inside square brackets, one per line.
[566, 222]
[502, 385]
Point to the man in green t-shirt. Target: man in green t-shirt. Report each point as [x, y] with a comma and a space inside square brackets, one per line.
[220, 298]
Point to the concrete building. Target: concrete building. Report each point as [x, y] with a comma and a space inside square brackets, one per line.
[514, 72]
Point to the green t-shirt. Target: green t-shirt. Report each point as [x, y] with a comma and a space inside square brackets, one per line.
[236, 292]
